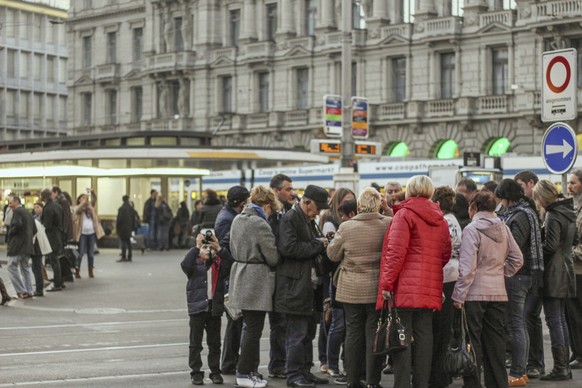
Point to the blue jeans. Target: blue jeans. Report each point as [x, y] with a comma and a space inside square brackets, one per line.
[554, 309]
[335, 337]
[86, 245]
[517, 288]
[18, 265]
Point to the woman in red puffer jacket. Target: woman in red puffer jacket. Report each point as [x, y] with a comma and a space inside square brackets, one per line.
[416, 248]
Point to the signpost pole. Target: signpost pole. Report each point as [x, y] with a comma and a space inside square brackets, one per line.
[347, 139]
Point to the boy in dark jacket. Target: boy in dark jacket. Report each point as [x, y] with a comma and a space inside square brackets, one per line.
[205, 296]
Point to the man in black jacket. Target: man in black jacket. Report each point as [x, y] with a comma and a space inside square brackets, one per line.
[52, 218]
[150, 217]
[282, 185]
[294, 294]
[20, 248]
[124, 225]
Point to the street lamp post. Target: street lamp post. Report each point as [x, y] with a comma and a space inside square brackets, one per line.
[346, 177]
[347, 139]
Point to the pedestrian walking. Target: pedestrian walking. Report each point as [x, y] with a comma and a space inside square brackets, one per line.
[88, 230]
[20, 248]
[52, 219]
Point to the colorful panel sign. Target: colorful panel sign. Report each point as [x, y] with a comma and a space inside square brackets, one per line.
[360, 118]
[332, 114]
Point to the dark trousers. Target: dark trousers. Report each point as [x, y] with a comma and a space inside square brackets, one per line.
[335, 337]
[555, 312]
[517, 289]
[126, 249]
[418, 325]
[299, 346]
[198, 324]
[441, 334]
[254, 322]
[37, 271]
[361, 321]
[533, 310]
[277, 324]
[485, 321]
[55, 263]
[231, 346]
[574, 320]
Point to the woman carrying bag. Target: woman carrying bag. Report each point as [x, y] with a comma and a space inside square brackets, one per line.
[488, 254]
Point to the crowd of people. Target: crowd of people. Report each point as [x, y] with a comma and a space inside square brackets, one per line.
[497, 255]
[47, 231]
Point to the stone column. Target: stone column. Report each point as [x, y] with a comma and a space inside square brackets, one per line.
[378, 16]
[249, 22]
[287, 25]
[425, 10]
[326, 18]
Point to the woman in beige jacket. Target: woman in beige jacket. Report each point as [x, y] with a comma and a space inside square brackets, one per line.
[357, 246]
[87, 229]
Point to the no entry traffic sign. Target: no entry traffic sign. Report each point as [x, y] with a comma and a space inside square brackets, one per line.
[559, 85]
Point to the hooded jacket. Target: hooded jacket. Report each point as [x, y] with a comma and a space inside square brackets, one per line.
[488, 254]
[560, 229]
[416, 248]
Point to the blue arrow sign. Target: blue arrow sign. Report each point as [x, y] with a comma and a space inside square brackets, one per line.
[559, 148]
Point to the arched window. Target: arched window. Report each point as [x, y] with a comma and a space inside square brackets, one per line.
[398, 149]
[447, 149]
[498, 146]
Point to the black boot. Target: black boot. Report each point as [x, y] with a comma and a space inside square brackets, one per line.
[5, 297]
[560, 371]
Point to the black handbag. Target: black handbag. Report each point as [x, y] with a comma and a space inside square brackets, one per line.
[380, 346]
[460, 358]
[390, 336]
[397, 340]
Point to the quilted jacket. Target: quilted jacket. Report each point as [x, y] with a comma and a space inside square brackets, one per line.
[416, 248]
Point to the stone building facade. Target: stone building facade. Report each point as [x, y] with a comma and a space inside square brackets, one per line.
[33, 69]
[254, 72]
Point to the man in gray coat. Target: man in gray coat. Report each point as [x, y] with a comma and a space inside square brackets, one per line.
[20, 248]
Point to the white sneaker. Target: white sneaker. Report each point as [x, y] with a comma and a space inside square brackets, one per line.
[250, 381]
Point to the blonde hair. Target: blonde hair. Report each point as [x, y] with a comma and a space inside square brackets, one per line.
[545, 192]
[261, 195]
[369, 201]
[419, 186]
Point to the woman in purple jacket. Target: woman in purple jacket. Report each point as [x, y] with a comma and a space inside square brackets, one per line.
[488, 254]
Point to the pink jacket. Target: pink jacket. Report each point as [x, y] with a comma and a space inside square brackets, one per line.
[488, 254]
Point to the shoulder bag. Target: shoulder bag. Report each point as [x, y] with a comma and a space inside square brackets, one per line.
[460, 358]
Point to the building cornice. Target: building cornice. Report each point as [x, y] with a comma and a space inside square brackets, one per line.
[35, 8]
[87, 16]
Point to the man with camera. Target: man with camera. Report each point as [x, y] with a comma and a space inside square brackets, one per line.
[294, 295]
[205, 269]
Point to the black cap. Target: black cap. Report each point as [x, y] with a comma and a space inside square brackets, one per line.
[236, 195]
[318, 195]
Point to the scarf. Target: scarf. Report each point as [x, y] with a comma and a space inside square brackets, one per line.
[215, 271]
[535, 238]
[259, 210]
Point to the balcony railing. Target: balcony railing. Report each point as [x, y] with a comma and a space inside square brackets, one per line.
[258, 120]
[451, 25]
[107, 72]
[296, 117]
[171, 61]
[402, 30]
[392, 111]
[493, 104]
[558, 9]
[260, 50]
[506, 18]
[438, 108]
